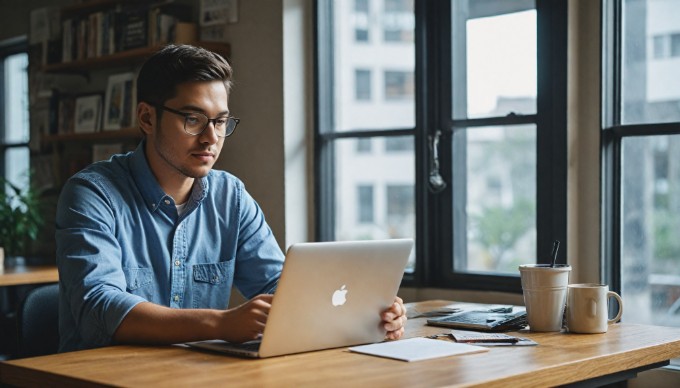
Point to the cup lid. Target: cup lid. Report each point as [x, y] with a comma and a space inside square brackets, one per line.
[527, 267]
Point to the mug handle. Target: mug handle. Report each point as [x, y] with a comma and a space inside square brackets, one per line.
[616, 296]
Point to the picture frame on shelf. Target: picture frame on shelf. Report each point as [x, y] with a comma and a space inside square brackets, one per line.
[218, 12]
[120, 101]
[105, 151]
[88, 113]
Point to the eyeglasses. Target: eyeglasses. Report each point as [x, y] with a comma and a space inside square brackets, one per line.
[195, 123]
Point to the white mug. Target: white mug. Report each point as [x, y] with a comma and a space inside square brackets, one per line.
[587, 308]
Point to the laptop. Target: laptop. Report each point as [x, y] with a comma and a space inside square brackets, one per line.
[330, 295]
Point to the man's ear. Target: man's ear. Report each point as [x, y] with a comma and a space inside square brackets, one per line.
[146, 117]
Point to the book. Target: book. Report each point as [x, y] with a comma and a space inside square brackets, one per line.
[134, 28]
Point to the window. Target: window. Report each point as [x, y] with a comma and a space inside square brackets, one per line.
[675, 45]
[641, 148]
[365, 201]
[398, 22]
[400, 210]
[399, 85]
[362, 82]
[364, 145]
[659, 47]
[398, 144]
[361, 21]
[473, 126]
[14, 133]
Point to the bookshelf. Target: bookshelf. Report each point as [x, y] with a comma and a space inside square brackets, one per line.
[130, 133]
[124, 58]
[100, 40]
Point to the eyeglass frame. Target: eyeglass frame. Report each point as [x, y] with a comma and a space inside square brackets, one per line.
[214, 121]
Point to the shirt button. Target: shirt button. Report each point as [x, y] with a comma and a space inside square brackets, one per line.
[176, 298]
[177, 263]
[167, 202]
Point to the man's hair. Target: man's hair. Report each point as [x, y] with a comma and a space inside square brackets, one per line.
[176, 64]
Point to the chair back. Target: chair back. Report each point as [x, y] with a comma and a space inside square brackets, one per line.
[38, 322]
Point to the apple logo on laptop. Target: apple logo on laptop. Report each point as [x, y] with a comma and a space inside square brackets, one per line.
[340, 296]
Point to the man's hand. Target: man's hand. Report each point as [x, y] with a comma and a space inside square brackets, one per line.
[246, 322]
[394, 319]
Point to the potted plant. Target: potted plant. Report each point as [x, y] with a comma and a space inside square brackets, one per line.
[20, 217]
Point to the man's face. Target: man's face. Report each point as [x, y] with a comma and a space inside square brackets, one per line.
[176, 152]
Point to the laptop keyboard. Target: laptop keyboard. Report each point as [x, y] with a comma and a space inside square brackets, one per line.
[251, 346]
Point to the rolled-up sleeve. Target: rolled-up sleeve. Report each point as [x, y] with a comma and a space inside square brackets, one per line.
[94, 300]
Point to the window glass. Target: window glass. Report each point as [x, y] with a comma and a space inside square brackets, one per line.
[398, 22]
[675, 45]
[650, 247]
[501, 65]
[660, 46]
[649, 82]
[361, 6]
[16, 98]
[361, 22]
[391, 178]
[365, 203]
[362, 79]
[17, 166]
[399, 144]
[399, 85]
[401, 209]
[500, 177]
[364, 144]
[15, 132]
[392, 66]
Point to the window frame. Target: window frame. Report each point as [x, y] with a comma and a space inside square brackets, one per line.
[612, 135]
[432, 19]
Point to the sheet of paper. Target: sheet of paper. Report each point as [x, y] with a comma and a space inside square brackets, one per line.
[416, 349]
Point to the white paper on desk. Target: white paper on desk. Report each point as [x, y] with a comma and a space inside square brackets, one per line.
[416, 349]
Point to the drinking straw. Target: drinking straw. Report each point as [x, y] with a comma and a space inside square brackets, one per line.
[556, 246]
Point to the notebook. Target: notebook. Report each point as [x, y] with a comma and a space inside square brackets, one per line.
[416, 349]
[330, 295]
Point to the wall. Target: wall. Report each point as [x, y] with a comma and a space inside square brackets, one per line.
[271, 150]
[583, 226]
[15, 15]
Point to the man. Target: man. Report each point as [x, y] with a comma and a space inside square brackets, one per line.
[150, 243]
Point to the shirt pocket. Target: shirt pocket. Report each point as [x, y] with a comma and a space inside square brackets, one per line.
[212, 284]
[139, 282]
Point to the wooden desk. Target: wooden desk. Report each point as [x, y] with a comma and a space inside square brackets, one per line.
[28, 274]
[559, 358]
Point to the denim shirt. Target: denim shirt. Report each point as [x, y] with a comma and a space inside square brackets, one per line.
[120, 242]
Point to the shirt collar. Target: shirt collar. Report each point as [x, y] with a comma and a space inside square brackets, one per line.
[148, 186]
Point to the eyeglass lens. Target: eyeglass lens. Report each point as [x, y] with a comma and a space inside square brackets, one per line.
[195, 123]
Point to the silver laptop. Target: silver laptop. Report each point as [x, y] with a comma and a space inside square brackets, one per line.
[330, 295]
